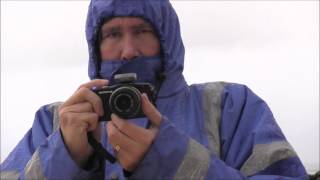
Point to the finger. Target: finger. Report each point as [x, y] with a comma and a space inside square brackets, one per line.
[115, 138]
[92, 119]
[84, 94]
[78, 136]
[80, 107]
[95, 83]
[136, 133]
[150, 111]
[126, 160]
[130, 152]
[79, 119]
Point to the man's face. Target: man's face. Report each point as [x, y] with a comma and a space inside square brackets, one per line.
[127, 38]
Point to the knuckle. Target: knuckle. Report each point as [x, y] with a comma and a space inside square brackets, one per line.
[96, 101]
[95, 81]
[82, 90]
[94, 104]
[61, 107]
[82, 86]
[94, 118]
[65, 118]
[62, 115]
[88, 106]
[68, 116]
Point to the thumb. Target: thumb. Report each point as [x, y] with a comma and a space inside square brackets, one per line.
[150, 111]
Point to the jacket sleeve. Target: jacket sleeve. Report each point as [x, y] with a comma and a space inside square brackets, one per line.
[251, 146]
[41, 154]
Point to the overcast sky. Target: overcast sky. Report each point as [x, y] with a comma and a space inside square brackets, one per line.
[273, 47]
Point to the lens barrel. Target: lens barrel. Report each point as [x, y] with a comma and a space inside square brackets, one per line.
[125, 101]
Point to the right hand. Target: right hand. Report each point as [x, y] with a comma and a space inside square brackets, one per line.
[79, 115]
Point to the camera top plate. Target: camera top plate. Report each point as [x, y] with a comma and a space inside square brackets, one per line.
[125, 78]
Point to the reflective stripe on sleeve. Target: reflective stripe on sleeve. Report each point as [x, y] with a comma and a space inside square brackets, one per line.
[33, 169]
[54, 109]
[264, 155]
[195, 163]
[212, 109]
[9, 175]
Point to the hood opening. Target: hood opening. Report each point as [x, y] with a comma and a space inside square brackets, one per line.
[97, 39]
[161, 15]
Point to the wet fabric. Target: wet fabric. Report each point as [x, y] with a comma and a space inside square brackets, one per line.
[147, 69]
[109, 67]
[165, 21]
[251, 143]
[208, 131]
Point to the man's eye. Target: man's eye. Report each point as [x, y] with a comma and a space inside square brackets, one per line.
[111, 35]
[144, 31]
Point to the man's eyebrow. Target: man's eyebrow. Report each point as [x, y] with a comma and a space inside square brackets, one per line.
[118, 28]
[110, 29]
[143, 25]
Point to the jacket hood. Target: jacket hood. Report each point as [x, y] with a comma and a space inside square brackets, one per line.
[160, 14]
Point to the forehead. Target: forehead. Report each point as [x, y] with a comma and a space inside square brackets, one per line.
[125, 22]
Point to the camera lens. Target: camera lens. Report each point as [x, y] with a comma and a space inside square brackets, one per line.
[125, 101]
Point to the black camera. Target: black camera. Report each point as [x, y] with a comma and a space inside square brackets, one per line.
[124, 97]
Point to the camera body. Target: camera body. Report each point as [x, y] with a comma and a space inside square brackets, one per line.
[124, 97]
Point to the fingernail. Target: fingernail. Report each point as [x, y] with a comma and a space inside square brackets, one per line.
[144, 95]
[114, 116]
[103, 80]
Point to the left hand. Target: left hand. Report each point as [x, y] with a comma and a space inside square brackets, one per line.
[130, 141]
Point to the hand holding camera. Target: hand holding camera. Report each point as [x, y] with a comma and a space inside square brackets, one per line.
[82, 112]
[79, 115]
[131, 142]
[124, 98]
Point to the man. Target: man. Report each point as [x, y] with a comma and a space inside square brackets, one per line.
[205, 131]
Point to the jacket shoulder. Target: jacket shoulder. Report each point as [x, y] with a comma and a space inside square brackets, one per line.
[218, 86]
[52, 107]
[221, 91]
[48, 115]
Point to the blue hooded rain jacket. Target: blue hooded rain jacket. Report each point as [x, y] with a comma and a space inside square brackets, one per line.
[209, 131]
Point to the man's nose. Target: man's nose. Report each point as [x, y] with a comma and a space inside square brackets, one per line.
[129, 49]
